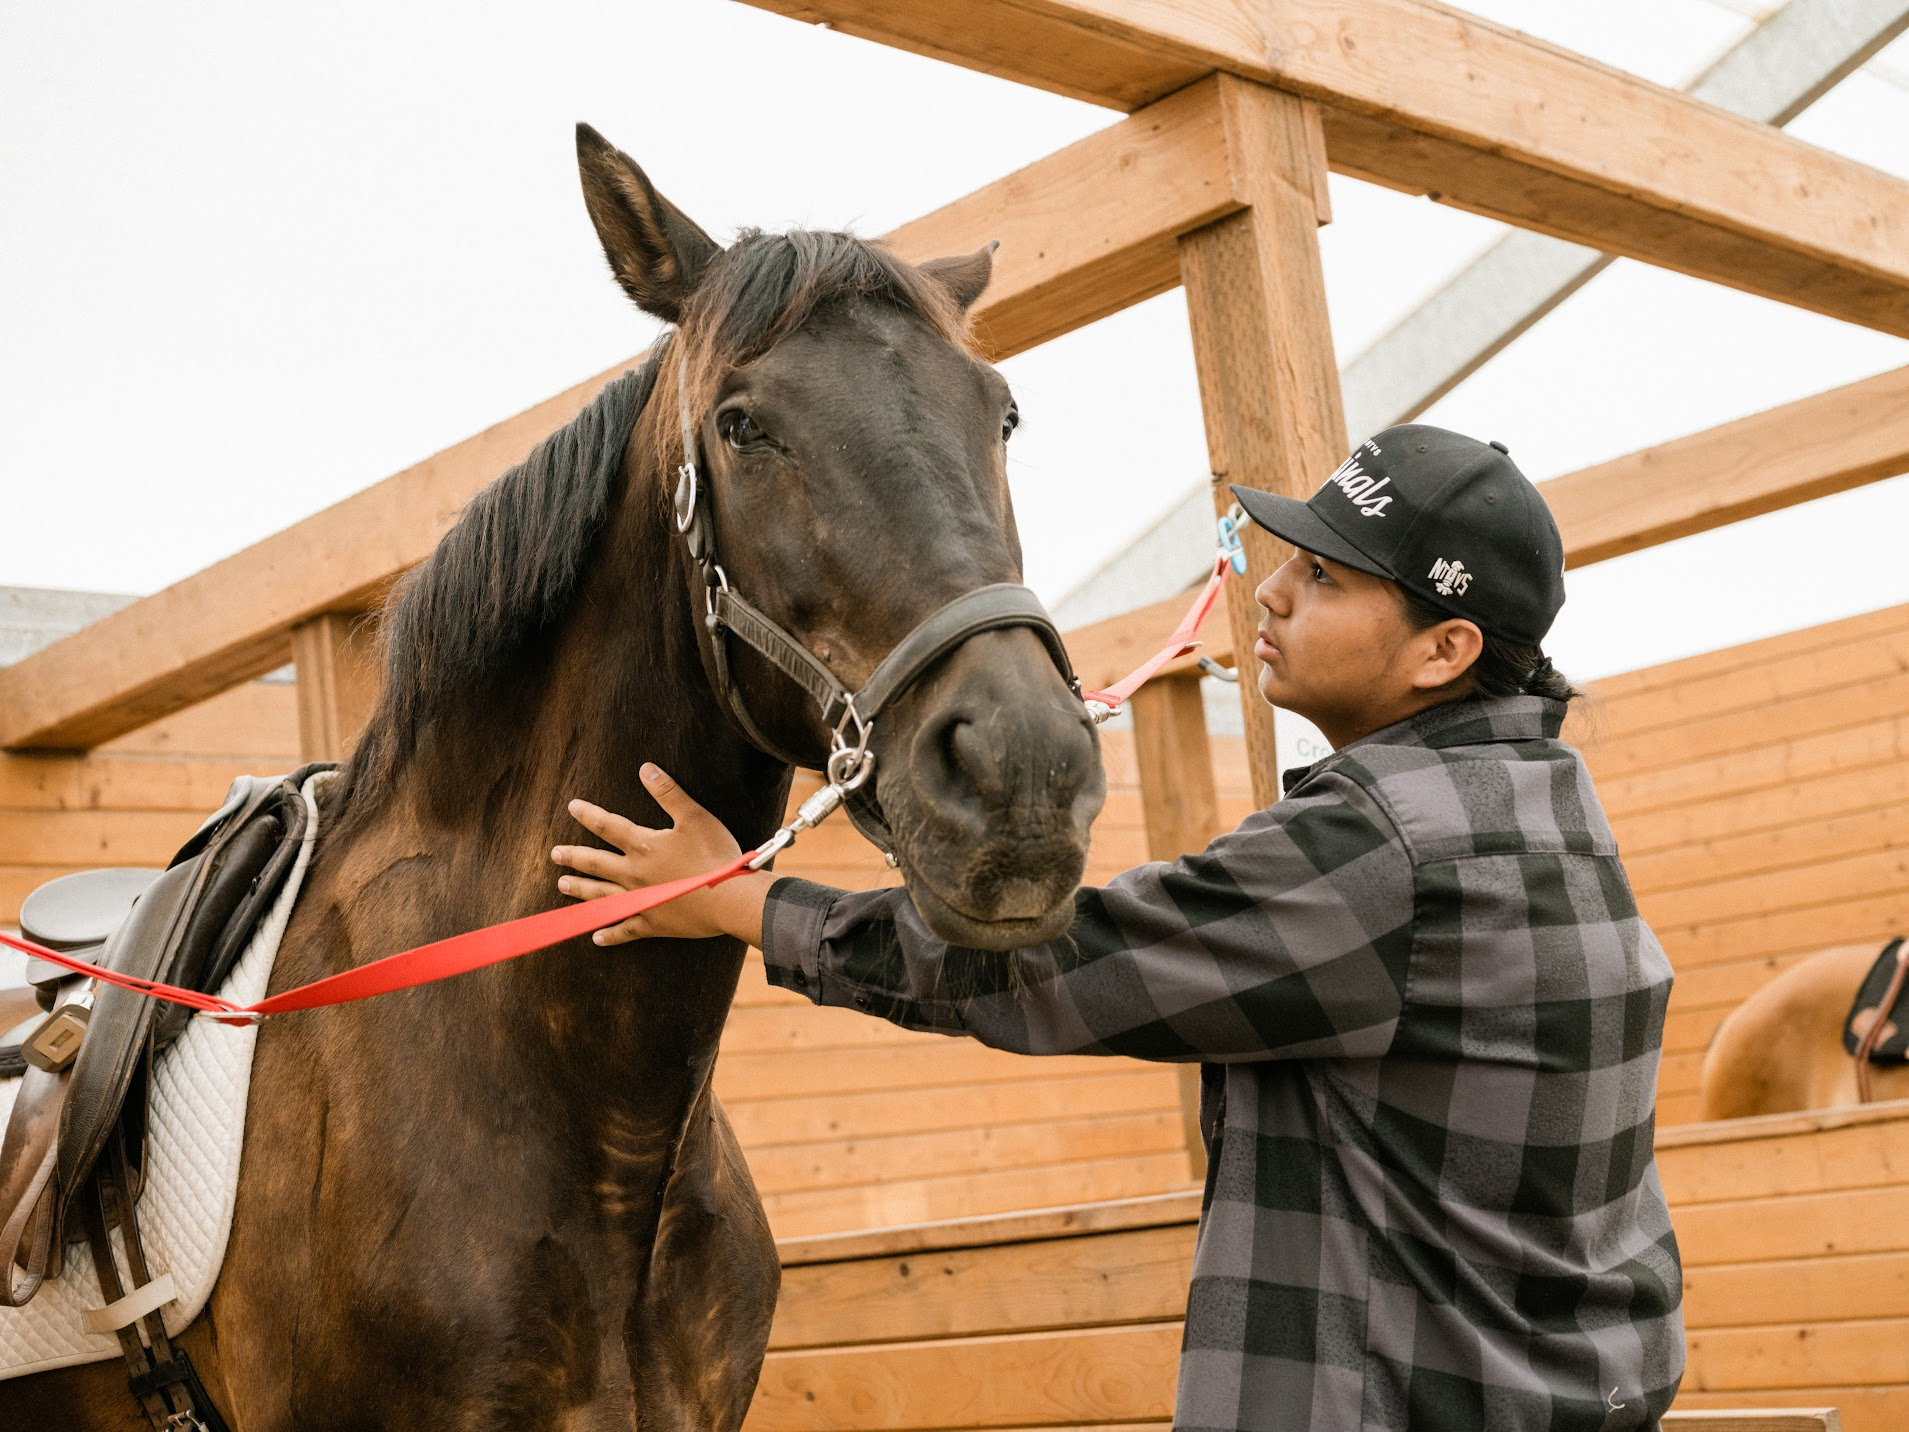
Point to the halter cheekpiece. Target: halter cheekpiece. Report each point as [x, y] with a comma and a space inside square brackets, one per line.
[849, 715]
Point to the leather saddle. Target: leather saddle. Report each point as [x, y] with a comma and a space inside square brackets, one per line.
[72, 1160]
[1877, 1028]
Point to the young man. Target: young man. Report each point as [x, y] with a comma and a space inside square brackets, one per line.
[1427, 1013]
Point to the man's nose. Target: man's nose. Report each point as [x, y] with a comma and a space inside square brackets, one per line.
[1271, 593]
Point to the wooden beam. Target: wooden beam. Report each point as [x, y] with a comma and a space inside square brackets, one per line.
[1829, 443]
[1436, 102]
[337, 660]
[1773, 74]
[1091, 229]
[1262, 341]
[1182, 811]
[1085, 232]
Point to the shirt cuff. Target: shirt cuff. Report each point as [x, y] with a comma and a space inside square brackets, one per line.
[792, 920]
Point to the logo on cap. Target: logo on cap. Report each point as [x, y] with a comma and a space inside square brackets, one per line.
[1361, 487]
[1449, 577]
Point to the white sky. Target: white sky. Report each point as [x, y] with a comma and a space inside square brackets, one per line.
[254, 258]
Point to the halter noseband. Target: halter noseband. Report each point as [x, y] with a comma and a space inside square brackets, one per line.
[850, 715]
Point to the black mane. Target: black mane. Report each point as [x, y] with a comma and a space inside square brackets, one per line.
[498, 580]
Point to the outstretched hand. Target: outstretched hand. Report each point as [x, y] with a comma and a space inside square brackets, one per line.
[694, 842]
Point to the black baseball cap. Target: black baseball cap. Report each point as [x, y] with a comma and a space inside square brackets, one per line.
[1445, 516]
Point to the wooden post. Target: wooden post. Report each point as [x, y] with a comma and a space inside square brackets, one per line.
[1182, 814]
[1269, 387]
[336, 657]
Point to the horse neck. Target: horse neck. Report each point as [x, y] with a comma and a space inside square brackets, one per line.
[619, 681]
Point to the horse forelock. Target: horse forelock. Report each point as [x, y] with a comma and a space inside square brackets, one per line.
[500, 578]
[765, 286]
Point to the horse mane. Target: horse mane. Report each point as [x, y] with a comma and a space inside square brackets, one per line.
[508, 571]
[496, 582]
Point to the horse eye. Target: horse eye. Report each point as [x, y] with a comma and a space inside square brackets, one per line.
[1010, 422]
[738, 429]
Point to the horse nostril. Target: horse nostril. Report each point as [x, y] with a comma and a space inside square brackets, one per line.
[971, 759]
[959, 763]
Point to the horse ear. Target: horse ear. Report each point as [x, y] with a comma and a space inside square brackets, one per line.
[966, 276]
[656, 250]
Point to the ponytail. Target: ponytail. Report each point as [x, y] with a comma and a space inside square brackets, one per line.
[1503, 668]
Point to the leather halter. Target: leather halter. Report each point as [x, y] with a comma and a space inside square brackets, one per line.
[849, 714]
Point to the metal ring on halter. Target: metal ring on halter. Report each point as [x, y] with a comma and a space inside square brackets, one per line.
[849, 766]
[709, 592]
[686, 494]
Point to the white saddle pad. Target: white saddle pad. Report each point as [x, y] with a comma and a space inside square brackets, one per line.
[197, 1125]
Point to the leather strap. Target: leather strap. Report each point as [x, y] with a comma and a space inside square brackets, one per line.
[29, 1154]
[738, 614]
[990, 608]
[1874, 1033]
[160, 1376]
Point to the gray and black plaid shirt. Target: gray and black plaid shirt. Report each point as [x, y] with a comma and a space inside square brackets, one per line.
[1430, 1019]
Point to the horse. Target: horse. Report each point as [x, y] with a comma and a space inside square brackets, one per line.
[1781, 1050]
[512, 1199]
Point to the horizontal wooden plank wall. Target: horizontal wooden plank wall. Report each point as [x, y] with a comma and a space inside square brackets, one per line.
[135, 800]
[1761, 798]
[1796, 1260]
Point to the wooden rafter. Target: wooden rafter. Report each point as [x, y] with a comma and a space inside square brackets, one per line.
[1432, 101]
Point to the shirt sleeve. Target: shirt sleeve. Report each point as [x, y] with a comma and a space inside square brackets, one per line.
[1291, 937]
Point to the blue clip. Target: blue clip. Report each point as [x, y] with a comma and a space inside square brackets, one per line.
[1230, 545]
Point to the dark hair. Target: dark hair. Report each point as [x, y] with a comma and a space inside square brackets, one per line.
[1503, 668]
[495, 583]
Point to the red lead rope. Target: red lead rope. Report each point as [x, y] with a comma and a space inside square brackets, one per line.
[494, 944]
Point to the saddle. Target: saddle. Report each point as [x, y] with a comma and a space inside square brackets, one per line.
[72, 1159]
[1877, 1029]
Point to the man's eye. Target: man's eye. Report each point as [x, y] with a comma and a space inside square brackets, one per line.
[738, 429]
[1318, 572]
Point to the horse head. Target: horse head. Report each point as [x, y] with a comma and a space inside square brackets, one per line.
[852, 455]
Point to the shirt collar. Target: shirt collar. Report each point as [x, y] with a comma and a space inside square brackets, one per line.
[1479, 721]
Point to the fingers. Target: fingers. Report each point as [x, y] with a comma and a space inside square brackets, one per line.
[634, 928]
[582, 889]
[622, 832]
[589, 860]
[671, 797]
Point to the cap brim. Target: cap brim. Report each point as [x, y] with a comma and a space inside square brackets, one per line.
[1292, 519]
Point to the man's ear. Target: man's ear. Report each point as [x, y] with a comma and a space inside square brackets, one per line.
[966, 275]
[656, 251]
[1454, 647]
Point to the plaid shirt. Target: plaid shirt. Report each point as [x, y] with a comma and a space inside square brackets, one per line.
[1430, 1021]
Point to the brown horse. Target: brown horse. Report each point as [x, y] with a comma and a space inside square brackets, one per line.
[1781, 1050]
[512, 1200]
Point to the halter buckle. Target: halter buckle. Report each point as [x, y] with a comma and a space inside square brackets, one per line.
[850, 763]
